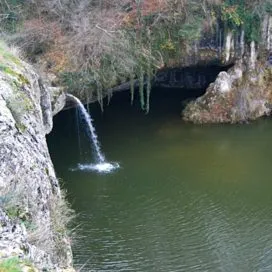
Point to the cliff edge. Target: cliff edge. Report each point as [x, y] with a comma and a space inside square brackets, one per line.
[33, 211]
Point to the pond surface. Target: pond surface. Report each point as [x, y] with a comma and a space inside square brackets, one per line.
[186, 198]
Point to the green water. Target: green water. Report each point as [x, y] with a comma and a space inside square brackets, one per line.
[186, 198]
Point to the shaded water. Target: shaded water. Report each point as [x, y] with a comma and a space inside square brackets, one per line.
[187, 198]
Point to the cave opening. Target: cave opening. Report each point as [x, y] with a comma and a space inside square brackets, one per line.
[172, 89]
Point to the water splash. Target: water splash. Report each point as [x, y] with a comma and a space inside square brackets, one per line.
[104, 167]
[101, 165]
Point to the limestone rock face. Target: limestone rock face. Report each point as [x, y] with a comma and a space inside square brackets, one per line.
[244, 92]
[29, 190]
[239, 95]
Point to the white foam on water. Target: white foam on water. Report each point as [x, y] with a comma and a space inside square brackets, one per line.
[104, 167]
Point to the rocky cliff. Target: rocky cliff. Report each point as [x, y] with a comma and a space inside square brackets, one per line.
[33, 212]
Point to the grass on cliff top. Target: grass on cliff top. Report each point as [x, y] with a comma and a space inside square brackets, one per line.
[9, 59]
[9, 54]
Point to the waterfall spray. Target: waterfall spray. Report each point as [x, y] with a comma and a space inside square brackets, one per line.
[102, 165]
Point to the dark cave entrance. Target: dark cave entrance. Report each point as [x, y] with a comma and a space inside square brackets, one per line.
[120, 118]
[172, 90]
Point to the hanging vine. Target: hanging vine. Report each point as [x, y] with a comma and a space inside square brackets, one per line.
[141, 88]
[132, 87]
[149, 74]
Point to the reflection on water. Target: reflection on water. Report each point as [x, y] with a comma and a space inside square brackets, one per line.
[187, 198]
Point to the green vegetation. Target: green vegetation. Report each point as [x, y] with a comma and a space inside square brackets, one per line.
[8, 60]
[10, 15]
[93, 46]
[10, 265]
[61, 216]
[246, 15]
[51, 237]
[16, 265]
[20, 78]
[18, 102]
[7, 56]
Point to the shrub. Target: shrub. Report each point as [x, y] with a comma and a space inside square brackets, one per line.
[95, 45]
[10, 15]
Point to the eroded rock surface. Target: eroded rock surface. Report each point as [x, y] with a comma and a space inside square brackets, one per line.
[241, 94]
[31, 227]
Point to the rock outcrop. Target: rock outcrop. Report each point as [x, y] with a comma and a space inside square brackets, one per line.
[33, 212]
[242, 93]
[239, 95]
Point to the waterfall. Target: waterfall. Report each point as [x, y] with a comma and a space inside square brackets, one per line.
[78, 131]
[102, 165]
[90, 128]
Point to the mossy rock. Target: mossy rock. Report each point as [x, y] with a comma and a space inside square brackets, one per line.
[19, 77]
